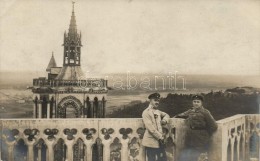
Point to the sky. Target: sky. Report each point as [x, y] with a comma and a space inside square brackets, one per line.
[193, 37]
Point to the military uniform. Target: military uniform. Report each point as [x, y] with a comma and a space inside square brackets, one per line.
[153, 134]
[200, 125]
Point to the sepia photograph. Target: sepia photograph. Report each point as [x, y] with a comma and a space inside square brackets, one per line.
[129, 80]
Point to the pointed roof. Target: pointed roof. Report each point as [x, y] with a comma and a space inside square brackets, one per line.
[51, 64]
[73, 25]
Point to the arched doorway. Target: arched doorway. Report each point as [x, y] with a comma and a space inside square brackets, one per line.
[69, 107]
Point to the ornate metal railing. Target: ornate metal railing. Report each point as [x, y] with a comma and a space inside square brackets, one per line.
[118, 139]
[88, 83]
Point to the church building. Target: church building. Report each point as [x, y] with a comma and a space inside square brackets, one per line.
[67, 92]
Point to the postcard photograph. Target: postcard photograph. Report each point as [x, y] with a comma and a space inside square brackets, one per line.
[129, 80]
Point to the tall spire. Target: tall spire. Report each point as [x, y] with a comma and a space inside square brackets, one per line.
[73, 25]
[51, 64]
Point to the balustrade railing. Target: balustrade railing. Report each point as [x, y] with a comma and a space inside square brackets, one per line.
[237, 138]
[89, 83]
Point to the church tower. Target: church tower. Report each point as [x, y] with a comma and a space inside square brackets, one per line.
[67, 93]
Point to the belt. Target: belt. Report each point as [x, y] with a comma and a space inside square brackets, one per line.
[197, 128]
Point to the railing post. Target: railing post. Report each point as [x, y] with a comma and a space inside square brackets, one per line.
[106, 150]
[124, 151]
[10, 149]
[48, 109]
[34, 109]
[218, 145]
[99, 109]
[40, 109]
[104, 108]
[30, 155]
[69, 144]
[142, 155]
[91, 109]
[40, 154]
[50, 154]
[88, 151]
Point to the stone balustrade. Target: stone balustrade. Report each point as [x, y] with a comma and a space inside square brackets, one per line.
[237, 138]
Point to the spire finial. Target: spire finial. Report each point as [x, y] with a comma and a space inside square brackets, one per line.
[73, 6]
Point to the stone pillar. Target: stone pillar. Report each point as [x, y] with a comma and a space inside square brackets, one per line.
[34, 109]
[92, 109]
[218, 144]
[69, 144]
[106, 150]
[88, 151]
[39, 153]
[232, 143]
[40, 109]
[50, 154]
[30, 155]
[99, 109]
[124, 151]
[85, 109]
[48, 109]
[104, 108]
[238, 147]
[142, 155]
[10, 149]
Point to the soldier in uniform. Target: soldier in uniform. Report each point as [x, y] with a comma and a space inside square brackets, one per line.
[153, 139]
[200, 126]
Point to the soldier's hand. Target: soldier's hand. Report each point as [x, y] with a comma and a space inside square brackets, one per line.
[163, 122]
[162, 142]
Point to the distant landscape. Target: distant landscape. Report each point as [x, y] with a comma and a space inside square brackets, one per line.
[245, 100]
[16, 99]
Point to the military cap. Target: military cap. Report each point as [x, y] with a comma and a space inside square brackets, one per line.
[154, 96]
[197, 97]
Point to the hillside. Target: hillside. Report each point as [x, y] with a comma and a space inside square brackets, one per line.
[219, 104]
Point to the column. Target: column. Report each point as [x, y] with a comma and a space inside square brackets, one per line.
[238, 147]
[69, 144]
[10, 151]
[39, 153]
[52, 107]
[232, 148]
[142, 155]
[92, 109]
[50, 155]
[88, 151]
[85, 109]
[30, 152]
[48, 109]
[34, 109]
[104, 108]
[124, 151]
[40, 109]
[99, 109]
[55, 103]
[106, 150]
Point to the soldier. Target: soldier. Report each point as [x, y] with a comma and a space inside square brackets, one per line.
[200, 125]
[154, 139]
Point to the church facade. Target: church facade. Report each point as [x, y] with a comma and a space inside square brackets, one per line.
[66, 92]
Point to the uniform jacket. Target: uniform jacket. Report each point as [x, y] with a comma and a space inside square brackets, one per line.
[200, 125]
[152, 121]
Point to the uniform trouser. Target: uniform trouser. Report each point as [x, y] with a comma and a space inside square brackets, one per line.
[156, 154]
[191, 154]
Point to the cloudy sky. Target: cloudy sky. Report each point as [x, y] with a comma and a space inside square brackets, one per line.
[198, 37]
